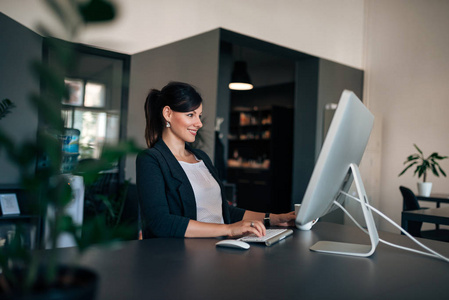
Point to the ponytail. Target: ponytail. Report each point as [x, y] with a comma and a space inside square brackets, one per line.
[153, 116]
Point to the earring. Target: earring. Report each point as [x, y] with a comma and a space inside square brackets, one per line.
[167, 125]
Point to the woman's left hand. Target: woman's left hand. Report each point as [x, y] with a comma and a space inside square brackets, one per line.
[287, 219]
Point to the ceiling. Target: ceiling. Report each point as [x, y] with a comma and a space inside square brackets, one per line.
[126, 34]
[138, 25]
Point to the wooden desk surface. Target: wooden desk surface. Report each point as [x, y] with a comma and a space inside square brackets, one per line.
[169, 268]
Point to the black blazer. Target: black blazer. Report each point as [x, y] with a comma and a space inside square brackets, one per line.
[166, 197]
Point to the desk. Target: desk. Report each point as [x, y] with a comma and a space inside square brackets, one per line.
[438, 198]
[195, 269]
[429, 215]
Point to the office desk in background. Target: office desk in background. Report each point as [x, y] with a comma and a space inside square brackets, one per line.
[438, 198]
[170, 268]
[438, 216]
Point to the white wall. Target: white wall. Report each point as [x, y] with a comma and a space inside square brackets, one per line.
[407, 88]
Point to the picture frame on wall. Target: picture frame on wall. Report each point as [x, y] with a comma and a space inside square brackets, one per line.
[9, 204]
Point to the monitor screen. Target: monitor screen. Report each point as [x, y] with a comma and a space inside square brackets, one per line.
[344, 145]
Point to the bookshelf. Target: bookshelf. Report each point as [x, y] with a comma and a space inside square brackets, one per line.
[260, 157]
[27, 221]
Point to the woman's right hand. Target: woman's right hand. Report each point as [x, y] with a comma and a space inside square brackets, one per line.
[246, 227]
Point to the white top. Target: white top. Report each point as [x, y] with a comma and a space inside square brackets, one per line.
[207, 192]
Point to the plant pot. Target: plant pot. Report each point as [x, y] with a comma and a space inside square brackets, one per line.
[424, 188]
[72, 283]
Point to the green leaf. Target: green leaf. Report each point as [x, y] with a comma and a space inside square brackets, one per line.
[96, 232]
[66, 14]
[419, 150]
[51, 146]
[6, 142]
[25, 155]
[434, 170]
[420, 169]
[5, 107]
[105, 200]
[61, 192]
[53, 80]
[411, 158]
[66, 225]
[442, 172]
[50, 111]
[408, 167]
[112, 153]
[90, 169]
[97, 11]
[440, 157]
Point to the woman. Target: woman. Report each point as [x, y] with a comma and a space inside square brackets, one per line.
[179, 191]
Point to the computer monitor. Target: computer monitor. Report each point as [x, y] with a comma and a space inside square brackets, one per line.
[336, 169]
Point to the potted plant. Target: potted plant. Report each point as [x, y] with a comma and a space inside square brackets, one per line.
[24, 274]
[424, 164]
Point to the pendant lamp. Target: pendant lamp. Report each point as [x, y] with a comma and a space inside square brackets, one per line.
[240, 79]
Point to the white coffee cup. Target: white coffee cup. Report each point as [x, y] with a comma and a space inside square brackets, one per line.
[306, 226]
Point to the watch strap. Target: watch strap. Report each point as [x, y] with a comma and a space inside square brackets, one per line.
[266, 220]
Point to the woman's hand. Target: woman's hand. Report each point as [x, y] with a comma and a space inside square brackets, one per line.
[246, 227]
[287, 219]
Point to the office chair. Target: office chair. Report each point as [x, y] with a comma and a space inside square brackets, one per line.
[123, 200]
[410, 202]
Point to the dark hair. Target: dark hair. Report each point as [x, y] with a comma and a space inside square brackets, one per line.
[179, 96]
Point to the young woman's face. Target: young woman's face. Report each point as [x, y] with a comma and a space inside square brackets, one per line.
[185, 125]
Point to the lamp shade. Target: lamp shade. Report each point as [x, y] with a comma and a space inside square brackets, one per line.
[240, 79]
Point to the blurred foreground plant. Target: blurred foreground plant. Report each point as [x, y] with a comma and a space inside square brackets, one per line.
[49, 189]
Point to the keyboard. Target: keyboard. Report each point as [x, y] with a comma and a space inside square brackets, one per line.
[272, 236]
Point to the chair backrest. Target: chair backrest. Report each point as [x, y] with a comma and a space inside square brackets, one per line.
[409, 199]
[411, 203]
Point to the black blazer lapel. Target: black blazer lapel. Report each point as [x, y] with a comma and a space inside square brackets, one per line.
[185, 190]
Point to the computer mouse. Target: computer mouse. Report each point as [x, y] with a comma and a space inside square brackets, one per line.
[233, 244]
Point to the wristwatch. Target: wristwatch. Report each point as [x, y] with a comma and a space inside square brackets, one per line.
[266, 220]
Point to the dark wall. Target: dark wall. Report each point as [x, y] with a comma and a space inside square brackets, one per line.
[305, 124]
[19, 46]
[333, 79]
[223, 102]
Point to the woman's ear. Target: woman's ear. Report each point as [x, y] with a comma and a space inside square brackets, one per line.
[167, 113]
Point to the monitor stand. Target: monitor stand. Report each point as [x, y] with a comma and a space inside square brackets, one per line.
[354, 249]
